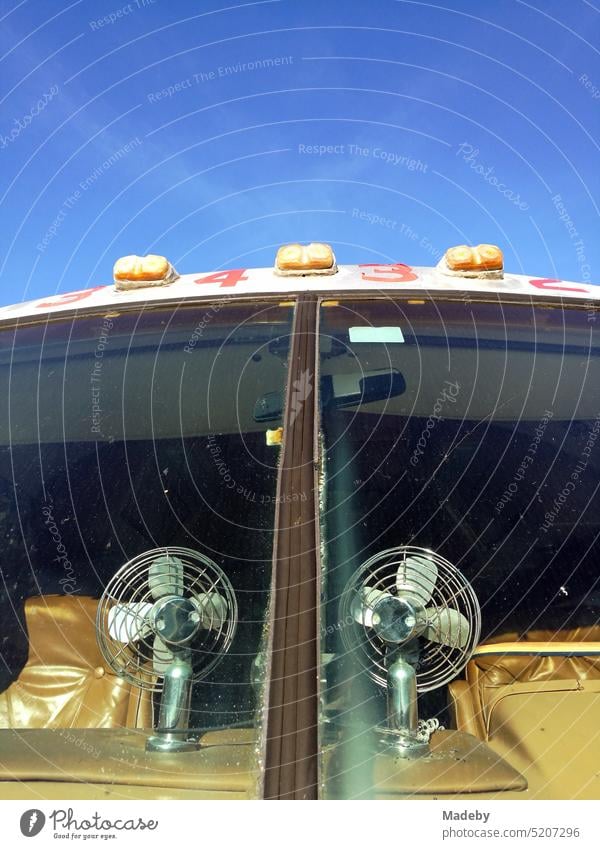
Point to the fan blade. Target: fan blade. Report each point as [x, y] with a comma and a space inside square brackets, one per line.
[162, 657]
[417, 576]
[165, 577]
[212, 608]
[129, 622]
[363, 604]
[447, 626]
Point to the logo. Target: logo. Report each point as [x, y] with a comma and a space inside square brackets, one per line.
[32, 822]
[302, 389]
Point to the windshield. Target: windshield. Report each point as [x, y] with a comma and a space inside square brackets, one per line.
[476, 439]
[121, 434]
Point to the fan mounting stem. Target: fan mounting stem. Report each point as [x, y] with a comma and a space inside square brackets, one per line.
[173, 724]
[403, 716]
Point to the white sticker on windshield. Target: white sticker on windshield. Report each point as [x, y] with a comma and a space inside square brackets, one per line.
[376, 334]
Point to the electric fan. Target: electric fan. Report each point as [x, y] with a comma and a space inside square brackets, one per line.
[413, 620]
[165, 620]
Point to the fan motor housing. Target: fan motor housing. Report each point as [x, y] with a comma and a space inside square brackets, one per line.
[176, 619]
[399, 620]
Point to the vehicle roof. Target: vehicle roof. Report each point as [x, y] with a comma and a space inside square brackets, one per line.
[378, 278]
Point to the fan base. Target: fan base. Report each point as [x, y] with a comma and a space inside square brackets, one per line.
[169, 742]
[403, 744]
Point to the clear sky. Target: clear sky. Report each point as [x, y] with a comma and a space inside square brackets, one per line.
[214, 131]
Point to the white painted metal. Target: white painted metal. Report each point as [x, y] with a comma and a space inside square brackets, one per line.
[261, 281]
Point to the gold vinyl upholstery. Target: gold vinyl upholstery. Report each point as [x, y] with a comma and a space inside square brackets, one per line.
[537, 702]
[65, 682]
[69, 728]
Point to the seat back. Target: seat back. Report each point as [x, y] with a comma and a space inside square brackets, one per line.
[537, 704]
[65, 682]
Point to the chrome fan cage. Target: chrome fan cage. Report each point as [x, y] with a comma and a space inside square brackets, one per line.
[133, 661]
[437, 663]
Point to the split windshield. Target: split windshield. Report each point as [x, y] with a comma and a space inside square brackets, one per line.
[466, 427]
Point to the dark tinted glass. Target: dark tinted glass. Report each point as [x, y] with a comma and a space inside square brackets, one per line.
[124, 433]
[481, 444]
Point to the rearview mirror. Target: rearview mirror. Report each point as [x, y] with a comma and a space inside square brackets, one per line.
[340, 390]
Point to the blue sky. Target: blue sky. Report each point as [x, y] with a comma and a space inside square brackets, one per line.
[214, 131]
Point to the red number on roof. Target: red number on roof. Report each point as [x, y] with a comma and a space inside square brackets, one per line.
[69, 298]
[227, 279]
[548, 283]
[395, 273]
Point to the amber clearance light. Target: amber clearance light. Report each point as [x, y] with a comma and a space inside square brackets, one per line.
[479, 261]
[315, 258]
[136, 272]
